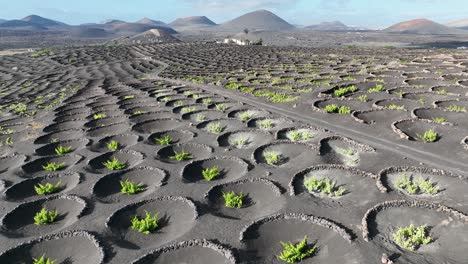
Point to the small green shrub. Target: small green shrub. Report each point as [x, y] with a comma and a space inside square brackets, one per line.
[43, 260]
[429, 136]
[293, 253]
[272, 158]
[164, 141]
[130, 187]
[348, 152]
[187, 110]
[6, 131]
[113, 145]
[297, 135]
[233, 86]
[442, 91]
[324, 186]
[333, 108]
[244, 116]
[99, 116]
[45, 217]
[427, 186]
[376, 89]
[52, 166]
[247, 89]
[275, 97]
[48, 188]
[396, 107]
[344, 110]
[265, 124]
[221, 107]
[233, 200]
[362, 98]
[344, 91]
[215, 128]
[456, 108]
[129, 97]
[145, 225]
[207, 101]
[181, 156]
[240, 142]
[412, 237]
[349, 78]
[114, 164]
[61, 150]
[138, 112]
[211, 173]
[421, 186]
[439, 119]
[200, 117]
[400, 93]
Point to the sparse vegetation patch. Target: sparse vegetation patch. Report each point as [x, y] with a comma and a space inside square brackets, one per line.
[344, 91]
[43, 260]
[129, 187]
[272, 157]
[297, 135]
[52, 166]
[293, 253]
[211, 173]
[429, 136]
[146, 225]
[181, 156]
[45, 217]
[419, 186]
[233, 200]
[412, 237]
[114, 164]
[324, 186]
[48, 188]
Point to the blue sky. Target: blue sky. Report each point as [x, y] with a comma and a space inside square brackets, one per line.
[370, 13]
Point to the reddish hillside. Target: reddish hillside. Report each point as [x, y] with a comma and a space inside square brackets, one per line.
[422, 26]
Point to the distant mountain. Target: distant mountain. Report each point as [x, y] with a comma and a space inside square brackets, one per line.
[2, 20]
[422, 26]
[88, 32]
[155, 35]
[258, 20]
[458, 24]
[192, 21]
[330, 26]
[130, 29]
[44, 22]
[148, 21]
[149, 36]
[22, 25]
[112, 21]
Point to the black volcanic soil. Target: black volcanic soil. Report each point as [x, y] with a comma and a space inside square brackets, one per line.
[86, 97]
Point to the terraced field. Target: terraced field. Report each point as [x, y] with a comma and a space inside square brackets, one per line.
[204, 153]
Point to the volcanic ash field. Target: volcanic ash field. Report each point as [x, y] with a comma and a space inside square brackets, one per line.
[208, 153]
